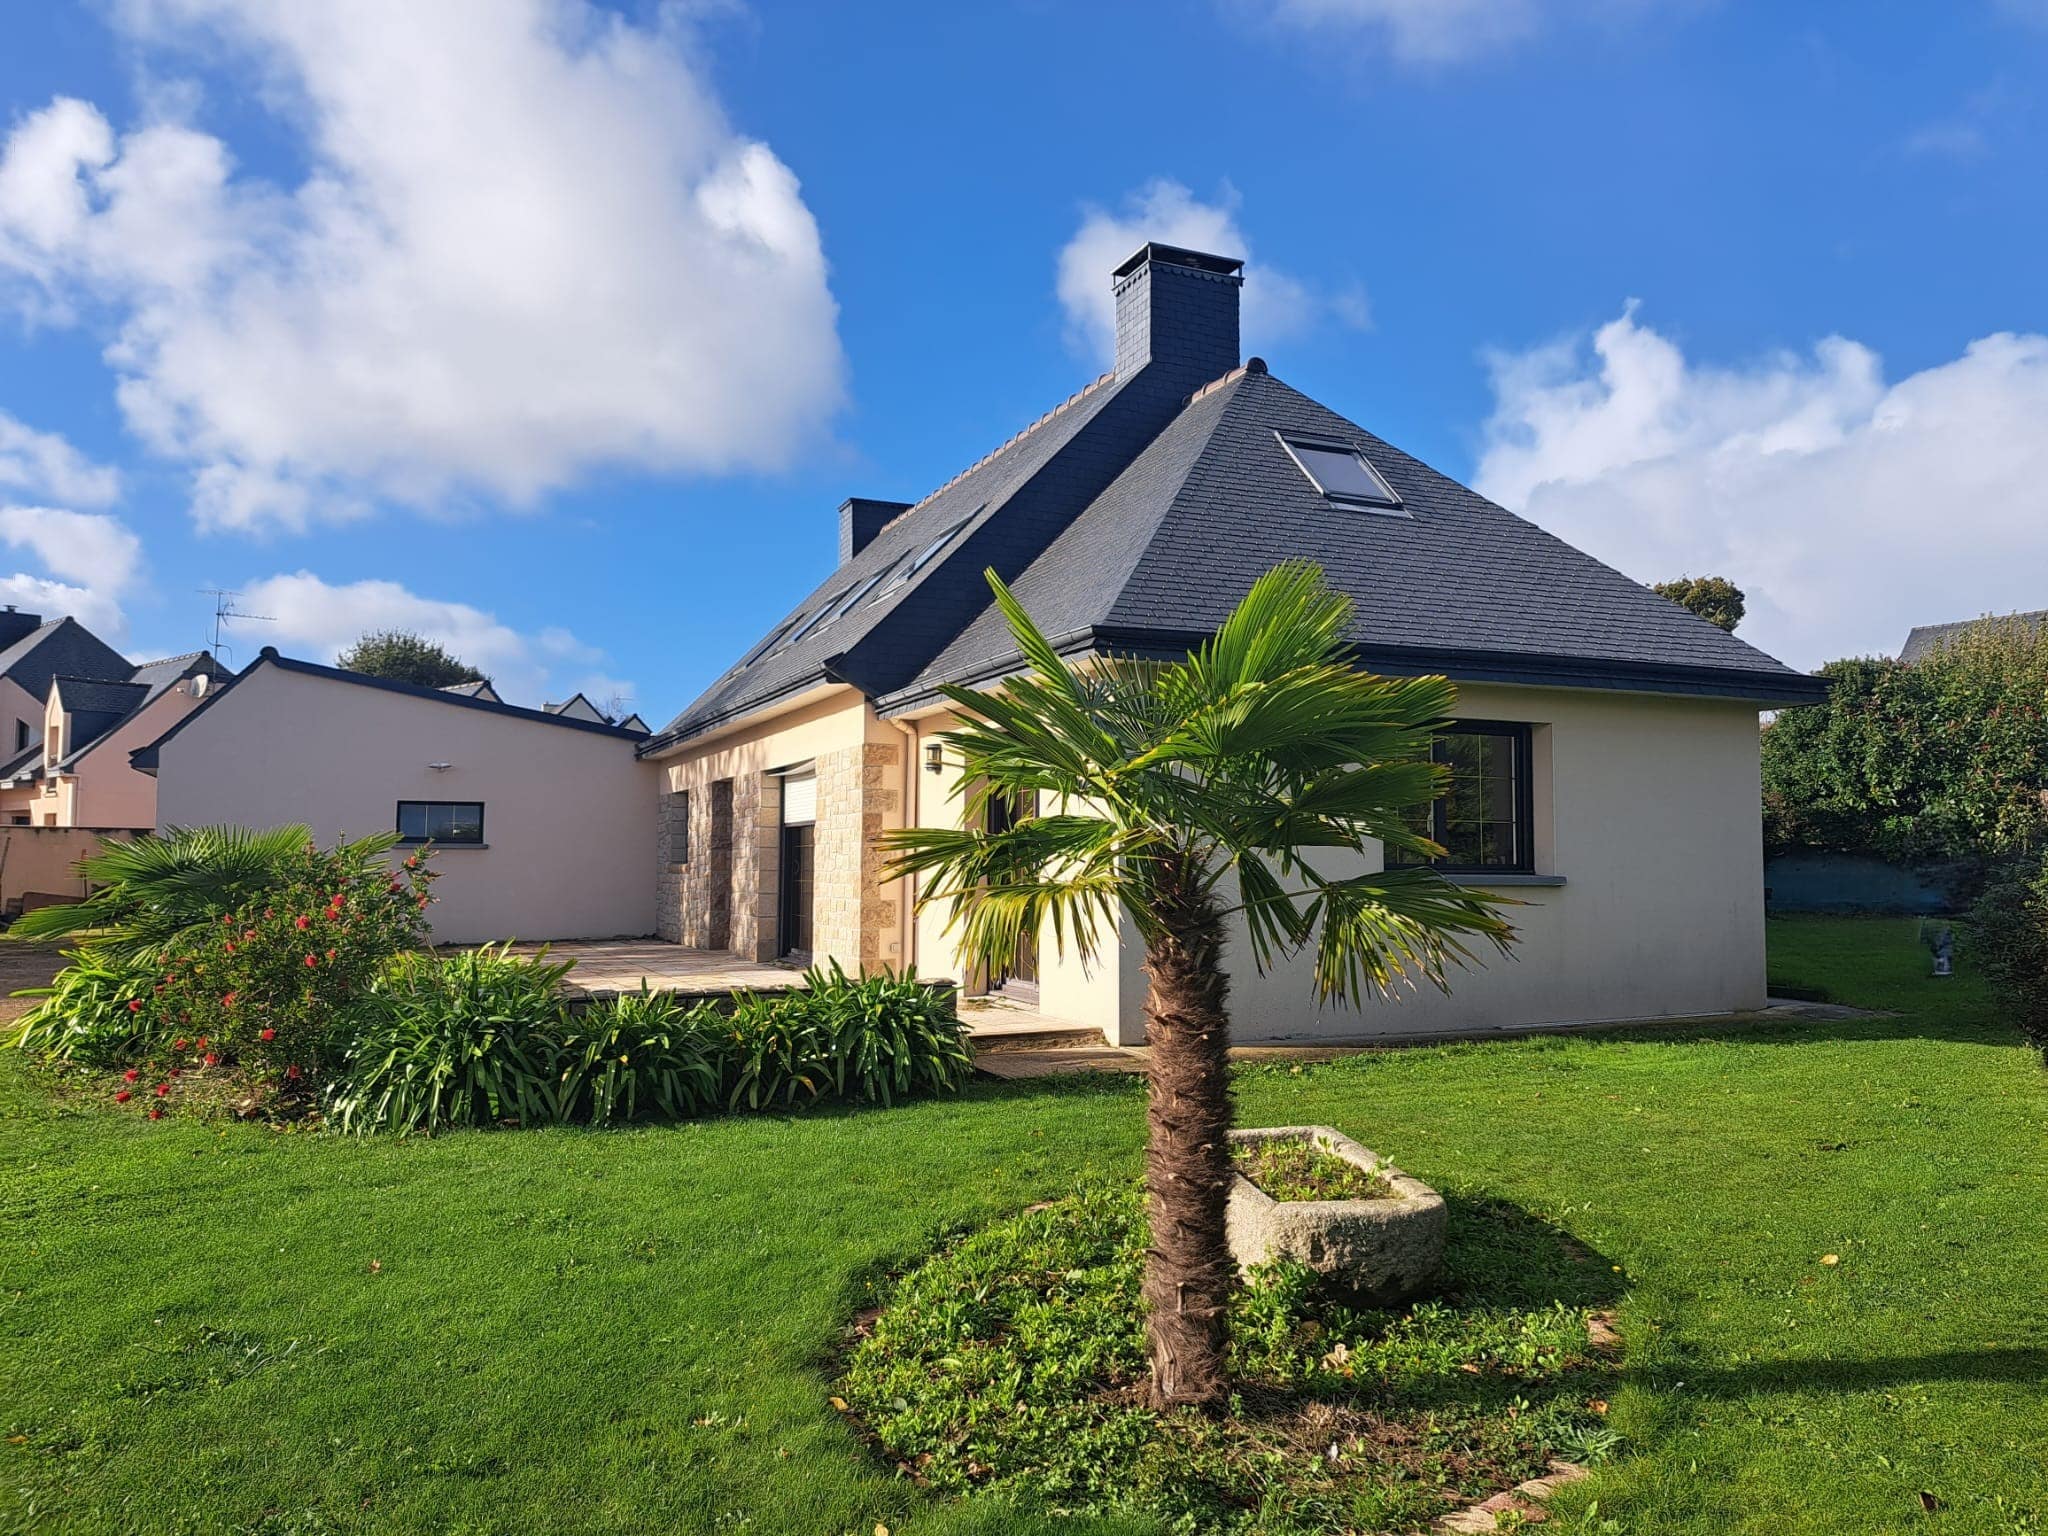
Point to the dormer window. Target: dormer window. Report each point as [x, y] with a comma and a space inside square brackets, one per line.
[1343, 475]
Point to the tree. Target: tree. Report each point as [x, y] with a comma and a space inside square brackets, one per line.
[403, 657]
[2009, 937]
[1181, 795]
[1942, 758]
[1714, 598]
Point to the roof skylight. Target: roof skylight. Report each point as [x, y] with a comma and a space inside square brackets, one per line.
[1343, 474]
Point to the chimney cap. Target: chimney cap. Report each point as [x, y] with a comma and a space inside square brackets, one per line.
[1180, 256]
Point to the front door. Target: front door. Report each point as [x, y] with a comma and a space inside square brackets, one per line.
[1020, 980]
[798, 866]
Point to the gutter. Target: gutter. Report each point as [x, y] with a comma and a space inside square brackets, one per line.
[1520, 668]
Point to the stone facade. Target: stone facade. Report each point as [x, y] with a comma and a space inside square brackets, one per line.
[720, 886]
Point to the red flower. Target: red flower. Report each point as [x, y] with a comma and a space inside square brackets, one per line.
[162, 1089]
[212, 1060]
[135, 1005]
[228, 918]
[229, 946]
[312, 960]
[412, 861]
[331, 954]
[394, 887]
[248, 934]
[292, 1073]
[177, 1071]
[270, 912]
[227, 1000]
[123, 1096]
[202, 1038]
[302, 922]
[130, 1075]
[422, 903]
[268, 1034]
[336, 903]
[179, 1044]
[155, 1112]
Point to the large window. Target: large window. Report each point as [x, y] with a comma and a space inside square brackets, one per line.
[1482, 818]
[440, 821]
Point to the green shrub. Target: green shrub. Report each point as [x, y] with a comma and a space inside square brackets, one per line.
[484, 1038]
[881, 1037]
[1007, 1366]
[277, 982]
[456, 1041]
[644, 1056]
[96, 1012]
[2009, 939]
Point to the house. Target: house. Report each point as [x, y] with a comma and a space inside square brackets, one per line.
[72, 708]
[479, 688]
[1605, 756]
[1925, 639]
[541, 823]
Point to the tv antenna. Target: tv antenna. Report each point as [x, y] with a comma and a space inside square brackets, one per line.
[225, 612]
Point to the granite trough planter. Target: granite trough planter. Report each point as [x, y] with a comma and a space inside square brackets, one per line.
[1379, 1252]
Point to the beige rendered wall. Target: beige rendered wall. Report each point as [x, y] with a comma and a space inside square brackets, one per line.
[725, 894]
[105, 791]
[1650, 809]
[40, 861]
[568, 815]
[17, 706]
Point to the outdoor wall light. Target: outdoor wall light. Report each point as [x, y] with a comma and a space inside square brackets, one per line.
[934, 758]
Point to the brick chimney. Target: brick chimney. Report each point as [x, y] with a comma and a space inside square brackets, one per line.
[860, 519]
[1176, 310]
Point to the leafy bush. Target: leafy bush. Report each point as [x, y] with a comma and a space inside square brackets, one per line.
[2009, 927]
[644, 1056]
[93, 1013]
[455, 1041]
[1945, 758]
[484, 1038]
[882, 1037]
[1006, 1365]
[278, 981]
[154, 890]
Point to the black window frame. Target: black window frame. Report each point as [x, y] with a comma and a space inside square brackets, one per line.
[1522, 734]
[1387, 505]
[398, 821]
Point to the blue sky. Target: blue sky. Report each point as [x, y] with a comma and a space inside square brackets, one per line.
[560, 332]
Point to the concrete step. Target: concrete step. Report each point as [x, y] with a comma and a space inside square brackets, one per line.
[1043, 1035]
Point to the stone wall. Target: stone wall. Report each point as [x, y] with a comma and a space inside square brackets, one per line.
[858, 796]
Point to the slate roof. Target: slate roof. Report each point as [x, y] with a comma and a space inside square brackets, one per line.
[61, 647]
[1927, 638]
[1132, 518]
[1457, 585]
[84, 695]
[23, 766]
[480, 688]
[972, 497]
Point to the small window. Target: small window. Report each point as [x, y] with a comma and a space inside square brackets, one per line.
[1342, 473]
[21, 735]
[931, 551]
[440, 821]
[1483, 817]
[679, 827]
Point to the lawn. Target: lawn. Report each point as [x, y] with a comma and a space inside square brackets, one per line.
[215, 1327]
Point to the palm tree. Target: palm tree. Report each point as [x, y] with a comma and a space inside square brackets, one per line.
[1240, 782]
[151, 891]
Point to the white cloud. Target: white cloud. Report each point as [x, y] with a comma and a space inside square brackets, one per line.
[89, 562]
[1848, 508]
[1422, 31]
[44, 464]
[1276, 306]
[528, 244]
[320, 619]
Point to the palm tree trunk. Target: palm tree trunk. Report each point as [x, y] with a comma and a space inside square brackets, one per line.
[1188, 1269]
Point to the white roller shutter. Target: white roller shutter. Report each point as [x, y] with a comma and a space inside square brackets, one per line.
[799, 800]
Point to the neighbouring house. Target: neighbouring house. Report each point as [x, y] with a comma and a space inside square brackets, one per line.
[1924, 639]
[72, 708]
[1605, 761]
[479, 689]
[541, 823]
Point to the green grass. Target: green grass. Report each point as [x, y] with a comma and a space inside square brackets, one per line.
[632, 1331]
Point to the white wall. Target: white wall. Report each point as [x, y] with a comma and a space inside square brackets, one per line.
[1650, 809]
[569, 815]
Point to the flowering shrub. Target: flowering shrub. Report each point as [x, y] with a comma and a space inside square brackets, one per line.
[274, 983]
